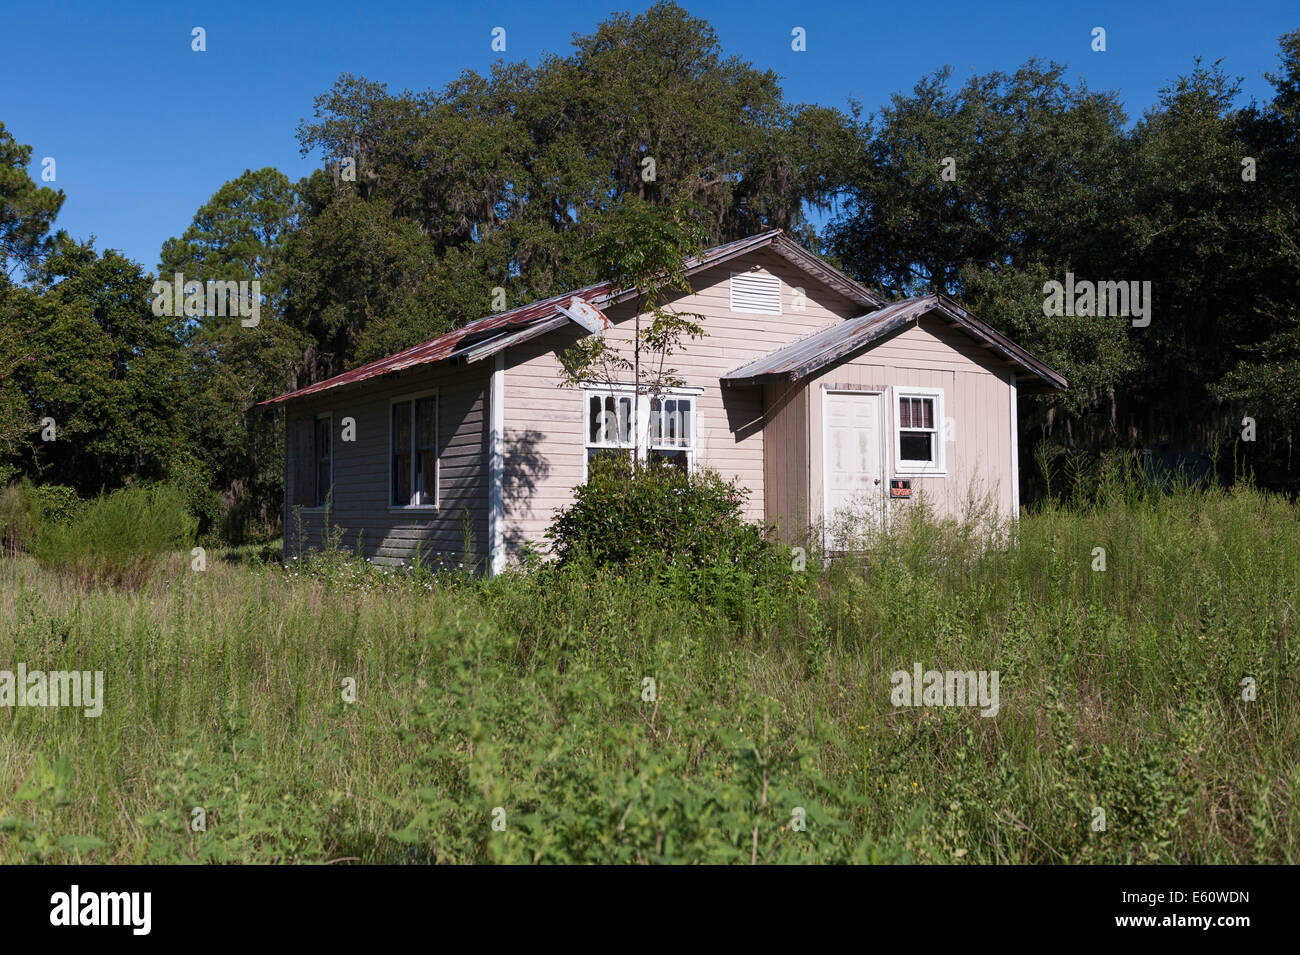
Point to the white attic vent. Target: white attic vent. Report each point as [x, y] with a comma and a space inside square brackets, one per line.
[755, 292]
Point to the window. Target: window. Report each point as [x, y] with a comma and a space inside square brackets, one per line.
[918, 431]
[672, 430]
[323, 444]
[414, 455]
[667, 423]
[755, 292]
[609, 423]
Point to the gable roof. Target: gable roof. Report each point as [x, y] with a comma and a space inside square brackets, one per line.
[832, 344]
[486, 336]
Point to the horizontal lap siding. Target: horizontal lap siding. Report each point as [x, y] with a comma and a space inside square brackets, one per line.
[544, 422]
[361, 469]
[977, 397]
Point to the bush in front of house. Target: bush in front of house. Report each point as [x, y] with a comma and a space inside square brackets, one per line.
[120, 537]
[687, 528]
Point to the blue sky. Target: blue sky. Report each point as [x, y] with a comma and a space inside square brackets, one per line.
[144, 130]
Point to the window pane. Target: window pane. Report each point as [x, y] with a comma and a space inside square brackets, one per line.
[915, 446]
[401, 438]
[624, 420]
[426, 424]
[402, 426]
[672, 423]
[609, 422]
[916, 412]
[402, 479]
[593, 453]
[675, 458]
[426, 464]
[593, 420]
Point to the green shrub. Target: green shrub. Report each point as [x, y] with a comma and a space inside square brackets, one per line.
[58, 503]
[685, 528]
[193, 481]
[656, 515]
[20, 515]
[120, 538]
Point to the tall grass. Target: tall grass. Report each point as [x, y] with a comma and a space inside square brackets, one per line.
[1121, 690]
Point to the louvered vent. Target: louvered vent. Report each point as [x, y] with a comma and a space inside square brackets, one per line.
[754, 292]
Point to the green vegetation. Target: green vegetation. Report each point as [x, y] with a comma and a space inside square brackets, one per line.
[1120, 689]
[119, 538]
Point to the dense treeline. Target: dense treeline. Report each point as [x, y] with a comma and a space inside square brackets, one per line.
[427, 202]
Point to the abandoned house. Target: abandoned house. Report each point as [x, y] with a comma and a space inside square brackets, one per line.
[809, 389]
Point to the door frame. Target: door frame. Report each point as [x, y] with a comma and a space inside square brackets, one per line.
[882, 392]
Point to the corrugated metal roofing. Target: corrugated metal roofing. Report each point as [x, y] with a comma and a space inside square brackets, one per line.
[533, 316]
[803, 357]
[443, 346]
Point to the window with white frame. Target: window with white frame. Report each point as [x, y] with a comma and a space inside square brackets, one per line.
[609, 422]
[672, 430]
[918, 431]
[323, 449]
[413, 455]
[667, 423]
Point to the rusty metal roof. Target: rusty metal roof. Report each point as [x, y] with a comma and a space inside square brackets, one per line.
[486, 335]
[445, 345]
[832, 344]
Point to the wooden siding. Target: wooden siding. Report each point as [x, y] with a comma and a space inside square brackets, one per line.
[977, 397]
[361, 469]
[544, 422]
[786, 469]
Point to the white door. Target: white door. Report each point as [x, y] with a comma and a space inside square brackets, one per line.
[851, 465]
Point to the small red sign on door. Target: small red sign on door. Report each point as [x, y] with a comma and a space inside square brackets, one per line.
[900, 488]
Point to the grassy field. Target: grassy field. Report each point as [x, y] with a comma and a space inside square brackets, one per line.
[335, 713]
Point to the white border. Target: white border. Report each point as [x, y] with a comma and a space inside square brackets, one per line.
[641, 412]
[882, 482]
[1015, 452]
[911, 468]
[496, 469]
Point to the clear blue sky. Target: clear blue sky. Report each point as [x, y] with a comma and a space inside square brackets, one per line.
[144, 130]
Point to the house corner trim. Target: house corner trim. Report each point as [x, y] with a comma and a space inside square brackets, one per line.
[496, 468]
